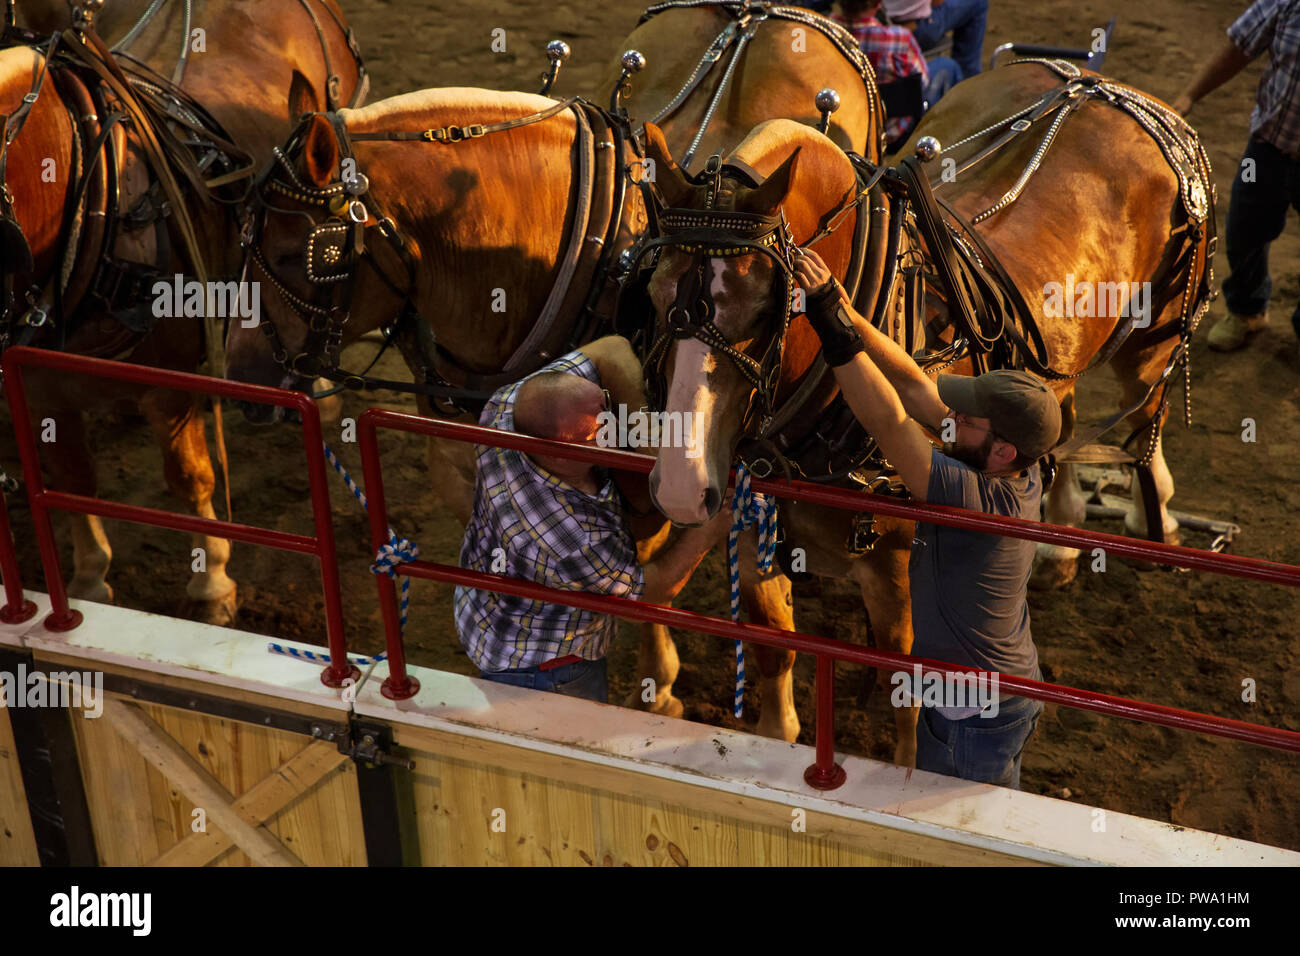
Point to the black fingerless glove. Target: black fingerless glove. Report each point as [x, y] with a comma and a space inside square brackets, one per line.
[830, 320]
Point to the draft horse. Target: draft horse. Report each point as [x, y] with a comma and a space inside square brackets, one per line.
[1125, 173]
[132, 203]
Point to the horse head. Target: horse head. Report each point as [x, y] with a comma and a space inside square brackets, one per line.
[729, 341]
[307, 238]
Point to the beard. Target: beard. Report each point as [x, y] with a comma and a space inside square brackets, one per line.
[977, 458]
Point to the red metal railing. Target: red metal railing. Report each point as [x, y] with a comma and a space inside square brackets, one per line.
[43, 500]
[824, 773]
[16, 608]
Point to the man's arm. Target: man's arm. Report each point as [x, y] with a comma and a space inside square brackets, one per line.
[1227, 63]
[619, 370]
[917, 391]
[668, 571]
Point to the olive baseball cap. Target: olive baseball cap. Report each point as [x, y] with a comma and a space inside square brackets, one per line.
[1019, 407]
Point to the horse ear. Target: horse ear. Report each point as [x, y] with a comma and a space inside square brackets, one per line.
[320, 152]
[302, 98]
[669, 180]
[769, 197]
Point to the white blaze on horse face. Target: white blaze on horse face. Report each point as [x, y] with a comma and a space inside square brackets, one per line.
[684, 473]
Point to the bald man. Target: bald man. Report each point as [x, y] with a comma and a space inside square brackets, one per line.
[560, 523]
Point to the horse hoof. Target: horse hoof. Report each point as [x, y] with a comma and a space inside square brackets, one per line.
[778, 727]
[219, 611]
[97, 591]
[664, 704]
[905, 754]
[1052, 573]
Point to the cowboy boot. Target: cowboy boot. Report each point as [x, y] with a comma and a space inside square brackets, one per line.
[1230, 332]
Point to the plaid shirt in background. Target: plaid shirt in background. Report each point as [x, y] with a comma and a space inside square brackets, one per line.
[1274, 25]
[553, 534]
[894, 53]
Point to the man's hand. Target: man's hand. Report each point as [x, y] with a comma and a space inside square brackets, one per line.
[827, 309]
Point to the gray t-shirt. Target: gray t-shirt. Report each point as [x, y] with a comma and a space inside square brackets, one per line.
[969, 588]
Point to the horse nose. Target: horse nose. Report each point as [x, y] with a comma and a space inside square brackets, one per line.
[712, 501]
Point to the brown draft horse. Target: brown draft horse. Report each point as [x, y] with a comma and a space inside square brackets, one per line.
[253, 63]
[1104, 206]
[791, 55]
[472, 230]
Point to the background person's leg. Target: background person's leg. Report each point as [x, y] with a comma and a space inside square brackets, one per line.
[966, 20]
[944, 74]
[988, 749]
[1256, 216]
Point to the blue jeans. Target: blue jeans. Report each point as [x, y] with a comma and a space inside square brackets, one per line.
[585, 679]
[1257, 216]
[944, 73]
[982, 749]
[964, 19]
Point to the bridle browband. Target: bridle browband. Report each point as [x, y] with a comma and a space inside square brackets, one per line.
[712, 233]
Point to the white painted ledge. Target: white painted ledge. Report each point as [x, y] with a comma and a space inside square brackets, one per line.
[1033, 827]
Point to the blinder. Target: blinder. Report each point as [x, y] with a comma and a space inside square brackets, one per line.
[707, 234]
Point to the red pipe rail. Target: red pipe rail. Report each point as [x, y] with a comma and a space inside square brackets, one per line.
[16, 608]
[824, 774]
[320, 545]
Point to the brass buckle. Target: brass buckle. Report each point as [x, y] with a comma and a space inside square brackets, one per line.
[454, 134]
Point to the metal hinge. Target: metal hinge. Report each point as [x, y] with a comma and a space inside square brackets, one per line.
[364, 743]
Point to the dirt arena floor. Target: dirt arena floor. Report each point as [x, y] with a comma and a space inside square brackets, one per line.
[1184, 640]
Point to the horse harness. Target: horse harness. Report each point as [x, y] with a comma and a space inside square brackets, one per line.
[333, 82]
[103, 102]
[336, 246]
[746, 17]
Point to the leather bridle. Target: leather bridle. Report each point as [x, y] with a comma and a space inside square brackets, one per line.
[712, 233]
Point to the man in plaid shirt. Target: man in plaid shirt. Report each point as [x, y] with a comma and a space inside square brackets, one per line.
[894, 53]
[559, 523]
[1268, 178]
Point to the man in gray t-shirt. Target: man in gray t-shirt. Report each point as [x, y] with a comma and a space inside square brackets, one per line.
[968, 588]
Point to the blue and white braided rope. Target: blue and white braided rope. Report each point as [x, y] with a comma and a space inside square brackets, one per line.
[317, 658]
[396, 551]
[748, 510]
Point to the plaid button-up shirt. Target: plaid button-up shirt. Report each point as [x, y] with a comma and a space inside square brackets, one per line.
[549, 532]
[1274, 25]
[894, 53]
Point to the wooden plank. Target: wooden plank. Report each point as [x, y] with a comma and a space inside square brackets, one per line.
[195, 782]
[263, 801]
[862, 840]
[117, 786]
[17, 840]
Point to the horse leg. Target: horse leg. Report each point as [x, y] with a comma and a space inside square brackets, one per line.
[72, 470]
[1136, 372]
[882, 578]
[1056, 566]
[767, 600]
[178, 427]
[657, 661]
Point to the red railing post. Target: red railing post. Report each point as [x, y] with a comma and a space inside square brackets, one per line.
[825, 774]
[340, 668]
[61, 616]
[17, 608]
[398, 685]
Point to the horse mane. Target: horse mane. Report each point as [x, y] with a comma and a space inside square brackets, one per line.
[412, 110]
[19, 66]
